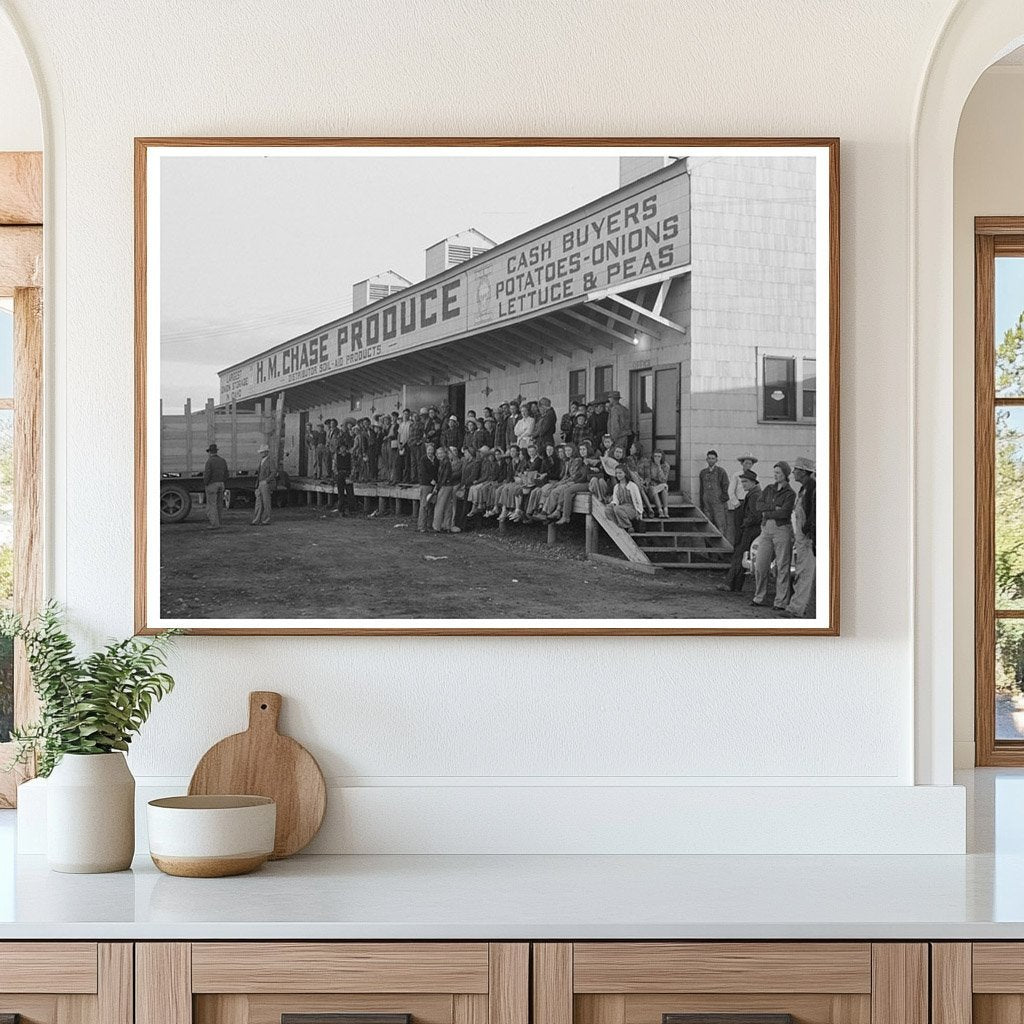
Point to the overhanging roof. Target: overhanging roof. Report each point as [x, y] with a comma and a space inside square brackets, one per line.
[600, 322]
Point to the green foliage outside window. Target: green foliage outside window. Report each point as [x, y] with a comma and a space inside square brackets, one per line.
[1009, 475]
[1009, 510]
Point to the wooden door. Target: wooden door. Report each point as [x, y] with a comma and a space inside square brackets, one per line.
[666, 418]
[66, 982]
[730, 983]
[977, 983]
[641, 407]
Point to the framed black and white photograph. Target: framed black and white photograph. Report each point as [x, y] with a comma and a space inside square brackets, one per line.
[491, 386]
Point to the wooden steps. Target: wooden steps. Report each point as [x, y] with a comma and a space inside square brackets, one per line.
[686, 540]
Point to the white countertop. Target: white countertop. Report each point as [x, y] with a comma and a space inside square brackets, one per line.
[517, 897]
[978, 896]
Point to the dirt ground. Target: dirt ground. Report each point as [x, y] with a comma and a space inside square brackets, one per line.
[311, 564]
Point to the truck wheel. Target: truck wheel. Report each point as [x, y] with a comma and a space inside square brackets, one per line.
[175, 503]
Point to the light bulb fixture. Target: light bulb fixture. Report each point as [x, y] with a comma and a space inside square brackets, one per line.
[636, 339]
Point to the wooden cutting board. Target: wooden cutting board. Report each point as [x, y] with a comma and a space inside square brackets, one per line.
[262, 762]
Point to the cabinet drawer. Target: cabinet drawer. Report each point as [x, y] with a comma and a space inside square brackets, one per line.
[332, 983]
[340, 967]
[730, 983]
[635, 967]
[66, 967]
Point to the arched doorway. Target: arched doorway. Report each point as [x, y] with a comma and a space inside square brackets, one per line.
[977, 33]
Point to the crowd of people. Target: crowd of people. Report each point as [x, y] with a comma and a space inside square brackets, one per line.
[775, 527]
[520, 463]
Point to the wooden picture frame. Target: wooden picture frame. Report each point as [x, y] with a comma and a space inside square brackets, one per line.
[820, 363]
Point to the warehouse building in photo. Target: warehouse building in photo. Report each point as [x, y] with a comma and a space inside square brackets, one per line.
[691, 290]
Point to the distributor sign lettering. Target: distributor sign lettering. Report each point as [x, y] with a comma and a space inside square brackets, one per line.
[646, 234]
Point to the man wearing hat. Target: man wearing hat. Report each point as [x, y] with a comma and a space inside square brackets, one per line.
[804, 545]
[545, 425]
[618, 421]
[215, 476]
[776, 540]
[265, 477]
[748, 515]
[451, 433]
[736, 496]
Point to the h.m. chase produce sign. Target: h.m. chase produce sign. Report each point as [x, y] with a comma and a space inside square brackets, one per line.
[629, 235]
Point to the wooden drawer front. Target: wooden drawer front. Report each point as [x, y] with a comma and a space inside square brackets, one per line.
[307, 967]
[54, 967]
[998, 967]
[721, 967]
[258, 982]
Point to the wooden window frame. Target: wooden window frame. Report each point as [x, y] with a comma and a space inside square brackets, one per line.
[802, 397]
[21, 278]
[993, 236]
[797, 357]
[611, 385]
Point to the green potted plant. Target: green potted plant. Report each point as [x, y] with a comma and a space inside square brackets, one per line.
[90, 708]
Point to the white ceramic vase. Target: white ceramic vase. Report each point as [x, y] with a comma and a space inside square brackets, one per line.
[90, 814]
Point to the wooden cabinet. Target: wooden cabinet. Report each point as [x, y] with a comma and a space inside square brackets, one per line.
[66, 982]
[310, 983]
[494, 983]
[753, 982]
[978, 983]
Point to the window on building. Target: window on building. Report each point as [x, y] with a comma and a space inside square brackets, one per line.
[577, 386]
[603, 381]
[809, 389]
[999, 496]
[778, 384]
[355, 404]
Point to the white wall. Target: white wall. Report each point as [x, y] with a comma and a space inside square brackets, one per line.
[987, 181]
[446, 716]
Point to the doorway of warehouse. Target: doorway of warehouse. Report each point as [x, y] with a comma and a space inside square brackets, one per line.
[654, 409]
[457, 400]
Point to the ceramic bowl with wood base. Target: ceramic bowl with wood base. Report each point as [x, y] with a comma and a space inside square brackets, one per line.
[211, 836]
